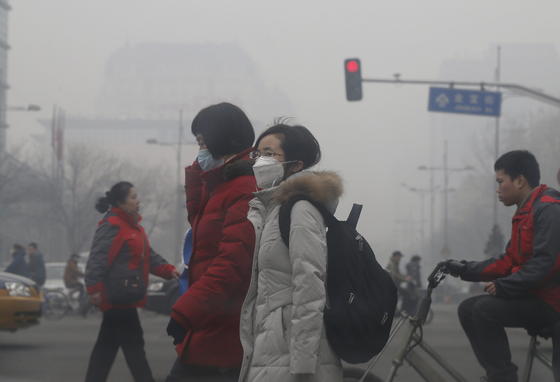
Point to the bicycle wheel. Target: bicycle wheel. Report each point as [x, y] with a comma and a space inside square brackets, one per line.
[56, 305]
[354, 374]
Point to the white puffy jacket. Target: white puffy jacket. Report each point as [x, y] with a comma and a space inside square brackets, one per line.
[282, 329]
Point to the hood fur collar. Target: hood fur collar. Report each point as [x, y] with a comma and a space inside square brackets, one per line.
[324, 187]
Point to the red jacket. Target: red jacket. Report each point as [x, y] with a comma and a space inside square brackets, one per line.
[220, 266]
[120, 246]
[531, 263]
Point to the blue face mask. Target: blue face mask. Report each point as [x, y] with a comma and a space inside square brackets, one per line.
[206, 161]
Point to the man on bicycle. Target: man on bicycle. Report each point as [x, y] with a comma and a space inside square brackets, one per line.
[72, 276]
[524, 283]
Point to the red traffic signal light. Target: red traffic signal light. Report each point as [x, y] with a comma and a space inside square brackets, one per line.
[352, 66]
[353, 78]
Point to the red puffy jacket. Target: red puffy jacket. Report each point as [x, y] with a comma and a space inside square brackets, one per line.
[531, 263]
[220, 266]
[120, 246]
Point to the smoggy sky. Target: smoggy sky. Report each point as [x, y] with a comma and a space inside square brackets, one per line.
[59, 50]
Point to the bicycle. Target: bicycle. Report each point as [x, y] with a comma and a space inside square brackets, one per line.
[414, 339]
[56, 304]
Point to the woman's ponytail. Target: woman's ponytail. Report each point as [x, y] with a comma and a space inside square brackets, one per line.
[116, 195]
[102, 204]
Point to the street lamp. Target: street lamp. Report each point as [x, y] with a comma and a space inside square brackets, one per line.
[4, 125]
[30, 107]
[422, 192]
[445, 251]
[179, 191]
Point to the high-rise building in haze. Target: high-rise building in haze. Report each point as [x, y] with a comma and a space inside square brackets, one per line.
[155, 80]
[4, 47]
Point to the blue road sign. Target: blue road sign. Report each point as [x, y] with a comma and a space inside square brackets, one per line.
[448, 100]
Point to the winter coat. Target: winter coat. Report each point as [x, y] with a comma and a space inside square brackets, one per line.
[220, 265]
[18, 266]
[282, 329]
[37, 271]
[72, 274]
[531, 263]
[394, 270]
[121, 248]
[413, 270]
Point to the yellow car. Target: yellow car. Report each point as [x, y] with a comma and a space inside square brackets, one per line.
[20, 302]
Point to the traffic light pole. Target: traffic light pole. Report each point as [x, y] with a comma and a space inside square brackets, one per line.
[522, 90]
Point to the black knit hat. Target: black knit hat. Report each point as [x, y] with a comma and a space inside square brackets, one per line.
[225, 128]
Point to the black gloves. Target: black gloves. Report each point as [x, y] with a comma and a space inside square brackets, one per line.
[455, 268]
[175, 330]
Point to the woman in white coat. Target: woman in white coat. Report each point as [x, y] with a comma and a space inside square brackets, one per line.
[282, 329]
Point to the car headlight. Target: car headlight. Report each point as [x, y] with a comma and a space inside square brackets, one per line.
[18, 289]
[156, 286]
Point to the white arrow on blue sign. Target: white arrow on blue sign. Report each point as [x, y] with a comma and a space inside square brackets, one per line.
[462, 101]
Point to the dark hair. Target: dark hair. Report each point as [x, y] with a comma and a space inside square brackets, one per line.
[520, 162]
[18, 247]
[415, 258]
[225, 128]
[297, 142]
[33, 245]
[116, 195]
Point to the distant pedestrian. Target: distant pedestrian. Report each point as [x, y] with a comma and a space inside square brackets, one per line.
[36, 264]
[413, 271]
[394, 268]
[402, 281]
[72, 276]
[116, 277]
[18, 266]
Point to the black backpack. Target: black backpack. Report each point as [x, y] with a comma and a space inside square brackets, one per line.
[361, 296]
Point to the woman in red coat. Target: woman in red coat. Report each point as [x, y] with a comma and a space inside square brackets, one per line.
[116, 277]
[219, 185]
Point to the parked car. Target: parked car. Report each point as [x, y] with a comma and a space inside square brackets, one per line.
[20, 302]
[162, 294]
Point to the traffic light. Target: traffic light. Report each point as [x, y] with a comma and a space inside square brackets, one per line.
[353, 76]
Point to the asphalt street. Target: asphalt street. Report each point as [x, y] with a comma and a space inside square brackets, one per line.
[58, 351]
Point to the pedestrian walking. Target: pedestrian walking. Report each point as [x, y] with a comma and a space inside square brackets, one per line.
[36, 264]
[18, 266]
[219, 184]
[282, 328]
[116, 277]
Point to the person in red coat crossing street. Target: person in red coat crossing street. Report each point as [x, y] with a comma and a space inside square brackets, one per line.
[116, 276]
[219, 184]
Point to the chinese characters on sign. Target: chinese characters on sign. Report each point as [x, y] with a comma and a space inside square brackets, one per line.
[448, 100]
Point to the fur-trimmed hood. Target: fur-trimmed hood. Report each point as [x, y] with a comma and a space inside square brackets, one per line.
[324, 187]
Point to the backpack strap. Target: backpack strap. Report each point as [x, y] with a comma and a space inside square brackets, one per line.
[354, 215]
[284, 215]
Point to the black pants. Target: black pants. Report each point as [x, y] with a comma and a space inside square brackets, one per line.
[182, 373]
[484, 318]
[119, 328]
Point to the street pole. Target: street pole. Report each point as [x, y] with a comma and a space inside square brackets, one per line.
[445, 252]
[179, 191]
[421, 192]
[496, 137]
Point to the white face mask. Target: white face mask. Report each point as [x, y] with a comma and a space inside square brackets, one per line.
[206, 161]
[268, 172]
